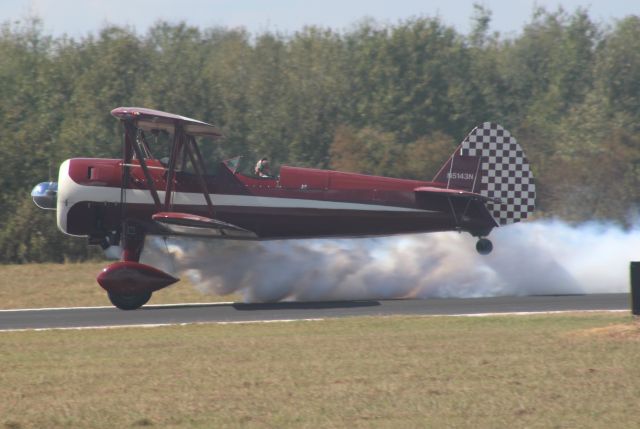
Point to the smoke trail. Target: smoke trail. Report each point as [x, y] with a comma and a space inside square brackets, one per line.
[542, 257]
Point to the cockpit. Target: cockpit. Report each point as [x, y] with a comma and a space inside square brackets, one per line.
[244, 167]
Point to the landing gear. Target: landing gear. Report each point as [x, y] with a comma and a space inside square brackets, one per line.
[129, 302]
[484, 246]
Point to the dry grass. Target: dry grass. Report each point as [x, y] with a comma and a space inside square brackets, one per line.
[400, 372]
[70, 285]
[623, 332]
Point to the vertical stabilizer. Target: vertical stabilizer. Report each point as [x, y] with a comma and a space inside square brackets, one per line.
[489, 161]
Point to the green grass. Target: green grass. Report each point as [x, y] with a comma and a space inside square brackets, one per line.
[70, 285]
[560, 371]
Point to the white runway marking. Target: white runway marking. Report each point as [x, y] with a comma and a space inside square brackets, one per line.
[160, 325]
[241, 322]
[527, 313]
[188, 304]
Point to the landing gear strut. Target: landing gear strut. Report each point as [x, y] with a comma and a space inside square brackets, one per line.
[484, 246]
[129, 302]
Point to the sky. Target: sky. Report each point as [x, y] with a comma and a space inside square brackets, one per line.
[78, 18]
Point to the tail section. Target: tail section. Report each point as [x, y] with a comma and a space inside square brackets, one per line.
[489, 161]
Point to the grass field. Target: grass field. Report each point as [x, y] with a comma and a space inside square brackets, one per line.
[560, 371]
[71, 285]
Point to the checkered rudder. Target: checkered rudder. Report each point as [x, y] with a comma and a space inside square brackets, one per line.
[506, 176]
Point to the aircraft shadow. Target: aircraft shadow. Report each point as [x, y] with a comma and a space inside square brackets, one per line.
[178, 306]
[272, 305]
[304, 305]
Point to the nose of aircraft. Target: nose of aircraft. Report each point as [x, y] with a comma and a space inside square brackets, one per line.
[45, 195]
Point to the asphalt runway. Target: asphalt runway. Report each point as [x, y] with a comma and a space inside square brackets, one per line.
[238, 313]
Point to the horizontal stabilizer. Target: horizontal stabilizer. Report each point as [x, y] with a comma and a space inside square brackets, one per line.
[451, 193]
[199, 226]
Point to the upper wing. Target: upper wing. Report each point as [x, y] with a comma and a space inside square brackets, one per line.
[149, 119]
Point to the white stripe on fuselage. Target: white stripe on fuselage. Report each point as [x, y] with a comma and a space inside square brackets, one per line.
[70, 193]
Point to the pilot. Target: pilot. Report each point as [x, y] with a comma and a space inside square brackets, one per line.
[262, 168]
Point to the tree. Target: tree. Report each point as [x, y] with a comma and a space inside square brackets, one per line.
[379, 99]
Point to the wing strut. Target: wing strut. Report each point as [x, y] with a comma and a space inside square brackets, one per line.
[185, 145]
[131, 132]
[198, 165]
[178, 139]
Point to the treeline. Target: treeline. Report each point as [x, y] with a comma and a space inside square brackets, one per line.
[380, 99]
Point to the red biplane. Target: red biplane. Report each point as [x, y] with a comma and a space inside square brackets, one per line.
[486, 183]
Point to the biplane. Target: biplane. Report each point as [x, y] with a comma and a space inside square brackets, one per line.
[116, 203]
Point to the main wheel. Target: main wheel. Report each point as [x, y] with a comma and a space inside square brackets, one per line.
[129, 302]
[484, 246]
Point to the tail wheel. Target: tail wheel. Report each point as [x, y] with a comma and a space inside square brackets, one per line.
[484, 246]
[129, 302]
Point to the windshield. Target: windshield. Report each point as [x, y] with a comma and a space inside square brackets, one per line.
[233, 164]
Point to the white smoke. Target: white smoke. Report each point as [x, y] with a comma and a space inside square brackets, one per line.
[541, 257]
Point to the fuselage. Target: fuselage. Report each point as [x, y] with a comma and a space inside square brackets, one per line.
[117, 203]
[300, 203]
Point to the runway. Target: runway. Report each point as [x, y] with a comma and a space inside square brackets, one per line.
[239, 313]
